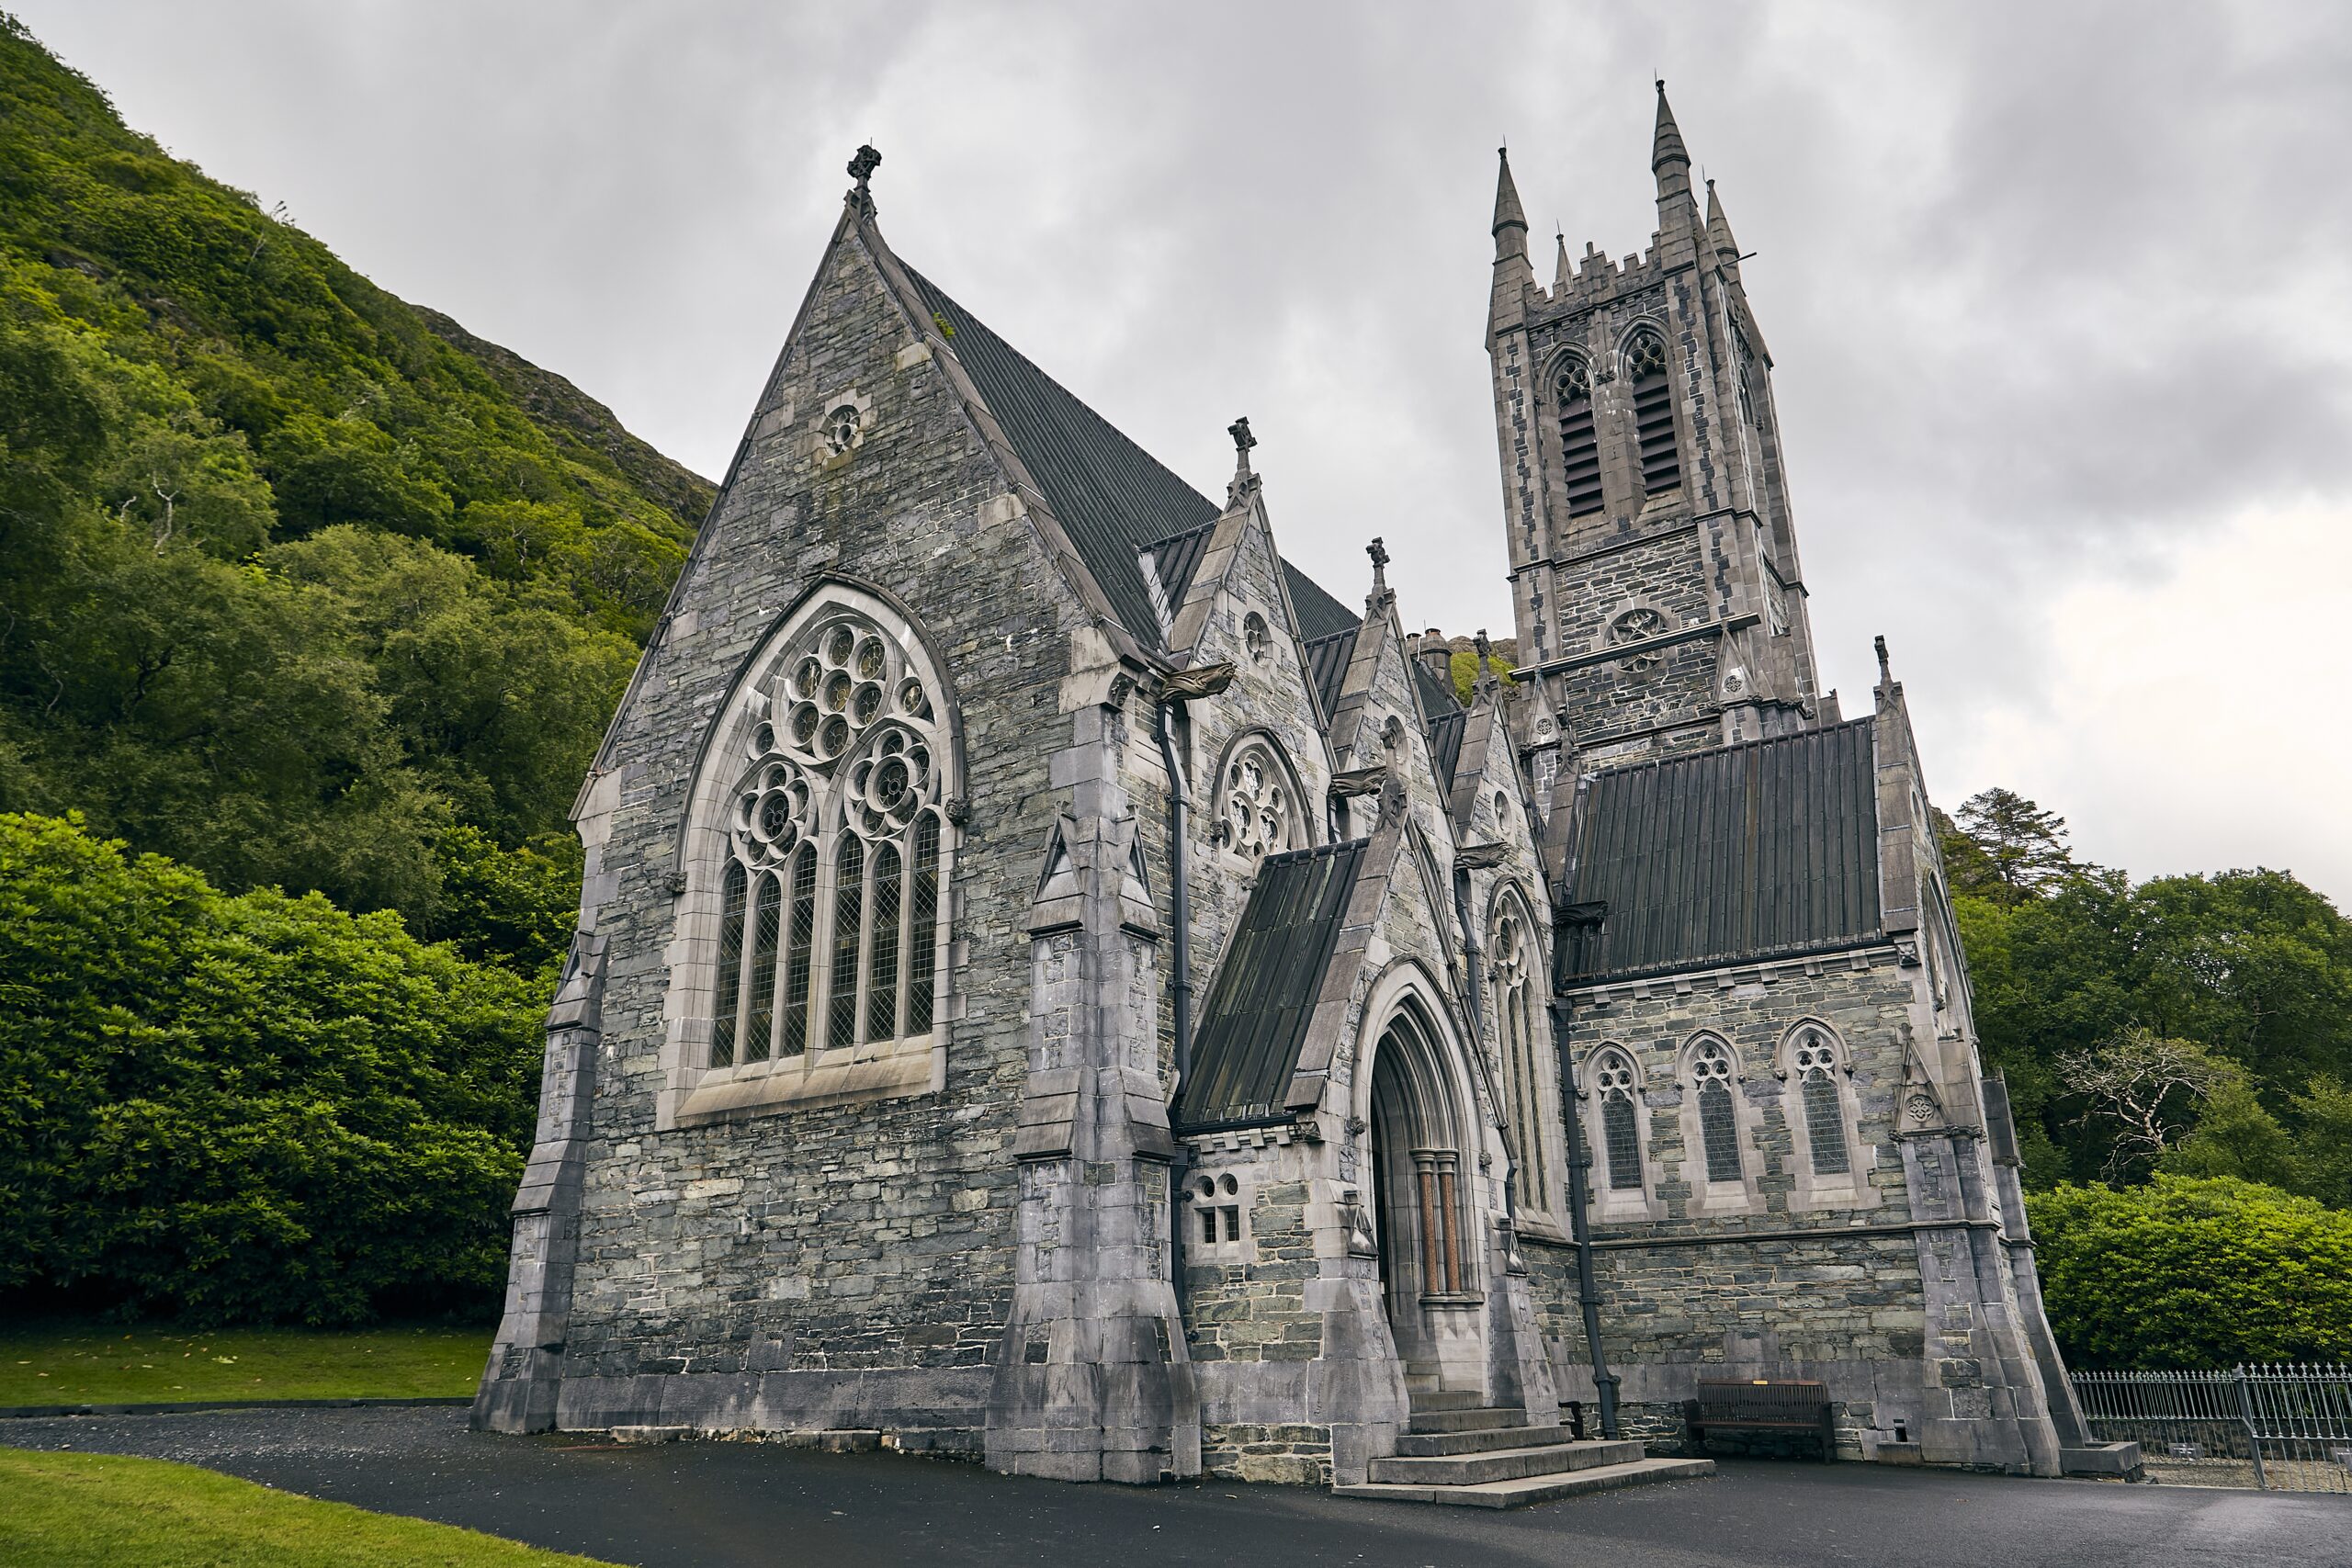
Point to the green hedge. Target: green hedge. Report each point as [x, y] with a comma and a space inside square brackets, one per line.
[249, 1108]
[2193, 1272]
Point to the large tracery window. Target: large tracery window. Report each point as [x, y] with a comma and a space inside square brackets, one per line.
[1514, 962]
[821, 825]
[1813, 1065]
[1647, 368]
[1579, 443]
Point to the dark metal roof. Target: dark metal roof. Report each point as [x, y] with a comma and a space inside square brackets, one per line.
[1327, 665]
[1445, 744]
[1437, 692]
[1113, 497]
[1246, 1045]
[1175, 561]
[1762, 850]
[1319, 614]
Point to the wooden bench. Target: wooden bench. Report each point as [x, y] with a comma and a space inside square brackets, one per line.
[1761, 1405]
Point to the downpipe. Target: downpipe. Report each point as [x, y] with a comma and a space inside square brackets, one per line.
[1604, 1382]
[1180, 980]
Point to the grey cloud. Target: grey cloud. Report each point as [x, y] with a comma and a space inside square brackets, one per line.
[2051, 288]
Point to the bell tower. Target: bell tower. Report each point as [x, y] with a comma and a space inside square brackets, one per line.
[1654, 569]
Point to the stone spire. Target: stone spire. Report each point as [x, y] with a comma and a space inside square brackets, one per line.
[1561, 270]
[1670, 162]
[1719, 241]
[1514, 274]
[1510, 218]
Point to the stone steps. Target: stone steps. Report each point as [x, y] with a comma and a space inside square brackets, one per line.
[1431, 1445]
[1502, 1465]
[1446, 1399]
[1520, 1493]
[1463, 1418]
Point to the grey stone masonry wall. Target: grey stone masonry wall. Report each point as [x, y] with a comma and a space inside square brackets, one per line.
[849, 1264]
[1888, 1282]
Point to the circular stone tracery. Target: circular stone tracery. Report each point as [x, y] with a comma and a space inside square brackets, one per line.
[843, 705]
[1256, 816]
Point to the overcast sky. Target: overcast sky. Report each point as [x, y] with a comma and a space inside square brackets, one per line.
[2057, 295]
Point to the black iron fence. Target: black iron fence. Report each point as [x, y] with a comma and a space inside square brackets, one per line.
[2282, 1428]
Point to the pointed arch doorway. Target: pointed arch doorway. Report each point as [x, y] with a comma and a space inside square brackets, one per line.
[1431, 1268]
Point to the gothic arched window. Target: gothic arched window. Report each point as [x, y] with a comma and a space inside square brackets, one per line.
[1712, 1074]
[1515, 960]
[1621, 1134]
[819, 827]
[1647, 368]
[1813, 1066]
[1257, 811]
[1579, 443]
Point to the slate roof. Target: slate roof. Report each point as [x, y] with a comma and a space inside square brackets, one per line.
[1326, 664]
[1113, 497]
[1759, 850]
[1445, 744]
[1246, 1043]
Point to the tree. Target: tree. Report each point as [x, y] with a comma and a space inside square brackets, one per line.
[2192, 1273]
[2148, 1087]
[247, 1108]
[2019, 849]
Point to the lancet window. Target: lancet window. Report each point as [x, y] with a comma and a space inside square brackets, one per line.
[1712, 1075]
[832, 874]
[1647, 368]
[1621, 1137]
[1813, 1065]
[1579, 442]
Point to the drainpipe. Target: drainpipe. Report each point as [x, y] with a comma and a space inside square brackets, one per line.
[1180, 915]
[1604, 1382]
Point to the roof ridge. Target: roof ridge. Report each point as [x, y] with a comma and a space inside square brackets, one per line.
[1762, 741]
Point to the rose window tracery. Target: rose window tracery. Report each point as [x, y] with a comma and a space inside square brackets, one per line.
[1260, 815]
[1638, 625]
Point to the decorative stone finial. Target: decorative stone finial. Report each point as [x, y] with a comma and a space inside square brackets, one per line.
[1243, 482]
[1379, 554]
[1886, 674]
[861, 169]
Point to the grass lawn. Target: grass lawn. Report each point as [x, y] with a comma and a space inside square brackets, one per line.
[75, 1510]
[77, 1362]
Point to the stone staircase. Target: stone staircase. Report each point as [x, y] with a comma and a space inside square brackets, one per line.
[1456, 1450]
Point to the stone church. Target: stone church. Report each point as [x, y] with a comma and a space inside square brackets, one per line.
[1055, 984]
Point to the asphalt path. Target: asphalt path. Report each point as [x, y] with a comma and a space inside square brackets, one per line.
[715, 1505]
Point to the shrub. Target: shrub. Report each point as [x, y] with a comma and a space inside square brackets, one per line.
[248, 1107]
[2193, 1272]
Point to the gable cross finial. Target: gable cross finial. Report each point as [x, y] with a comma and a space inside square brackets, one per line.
[1379, 554]
[1885, 673]
[1244, 481]
[861, 169]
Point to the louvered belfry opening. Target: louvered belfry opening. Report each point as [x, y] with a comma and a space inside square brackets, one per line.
[1653, 412]
[1579, 441]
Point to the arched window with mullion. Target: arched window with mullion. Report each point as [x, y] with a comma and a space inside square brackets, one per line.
[1579, 438]
[1647, 368]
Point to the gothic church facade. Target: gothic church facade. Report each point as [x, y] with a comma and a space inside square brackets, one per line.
[1055, 984]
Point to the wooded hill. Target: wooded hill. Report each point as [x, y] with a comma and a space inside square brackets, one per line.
[303, 585]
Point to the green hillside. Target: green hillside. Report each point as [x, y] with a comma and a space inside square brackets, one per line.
[299, 584]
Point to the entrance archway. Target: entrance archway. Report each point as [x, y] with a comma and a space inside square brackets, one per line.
[1431, 1268]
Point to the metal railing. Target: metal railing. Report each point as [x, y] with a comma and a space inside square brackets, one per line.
[2284, 1428]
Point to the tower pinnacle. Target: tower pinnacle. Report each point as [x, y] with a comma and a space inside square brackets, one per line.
[1670, 162]
[1719, 239]
[1510, 218]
